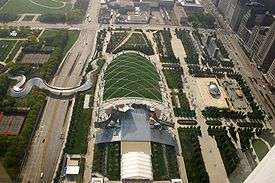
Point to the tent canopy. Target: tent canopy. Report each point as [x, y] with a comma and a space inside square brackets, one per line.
[136, 165]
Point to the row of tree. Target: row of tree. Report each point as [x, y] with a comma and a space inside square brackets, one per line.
[227, 149]
[7, 17]
[15, 148]
[192, 56]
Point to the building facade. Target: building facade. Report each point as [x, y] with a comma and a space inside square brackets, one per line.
[266, 53]
[271, 74]
[256, 39]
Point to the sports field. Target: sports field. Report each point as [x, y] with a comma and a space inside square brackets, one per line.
[11, 124]
[36, 6]
[131, 75]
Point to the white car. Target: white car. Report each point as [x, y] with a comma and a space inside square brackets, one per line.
[41, 175]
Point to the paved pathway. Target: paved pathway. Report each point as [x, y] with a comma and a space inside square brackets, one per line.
[23, 87]
[181, 164]
[210, 153]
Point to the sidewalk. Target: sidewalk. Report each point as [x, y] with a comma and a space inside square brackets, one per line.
[210, 152]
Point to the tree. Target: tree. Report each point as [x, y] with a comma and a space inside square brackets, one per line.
[74, 16]
[53, 18]
[7, 17]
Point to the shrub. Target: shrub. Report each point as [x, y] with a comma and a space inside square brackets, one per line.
[191, 152]
[163, 41]
[214, 122]
[227, 149]
[192, 55]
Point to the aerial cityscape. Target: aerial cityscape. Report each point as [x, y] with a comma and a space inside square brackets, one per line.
[137, 91]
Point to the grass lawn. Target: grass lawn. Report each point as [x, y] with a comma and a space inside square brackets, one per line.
[73, 36]
[35, 6]
[113, 161]
[159, 167]
[137, 42]
[164, 162]
[191, 152]
[79, 128]
[49, 33]
[184, 109]
[260, 148]
[14, 51]
[107, 159]
[131, 75]
[99, 164]
[173, 77]
[5, 48]
[28, 18]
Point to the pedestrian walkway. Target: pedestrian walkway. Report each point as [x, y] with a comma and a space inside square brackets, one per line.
[210, 153]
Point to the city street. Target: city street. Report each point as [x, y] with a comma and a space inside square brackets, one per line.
[211, 155]
[249, 70]
[50, 138]
[246, 67]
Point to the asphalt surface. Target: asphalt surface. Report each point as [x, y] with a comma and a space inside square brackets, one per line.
[251, 74]
[50, 137]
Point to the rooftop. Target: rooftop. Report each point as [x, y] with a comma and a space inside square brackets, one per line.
[72, 170]
[136, 165]
[134, 126]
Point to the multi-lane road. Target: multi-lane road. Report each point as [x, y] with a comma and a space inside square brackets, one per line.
[251, 74]
[49, 139]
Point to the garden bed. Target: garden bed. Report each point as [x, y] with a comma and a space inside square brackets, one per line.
[137, 42]
[164, 161]
[191, 152]
[227, 149]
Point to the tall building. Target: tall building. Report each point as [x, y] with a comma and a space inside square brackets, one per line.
[256, 39]
[264, 172]
[223, 5]
[271, 74]
[239, 11]
[266, 53]
[243, 31]
[230, 9]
